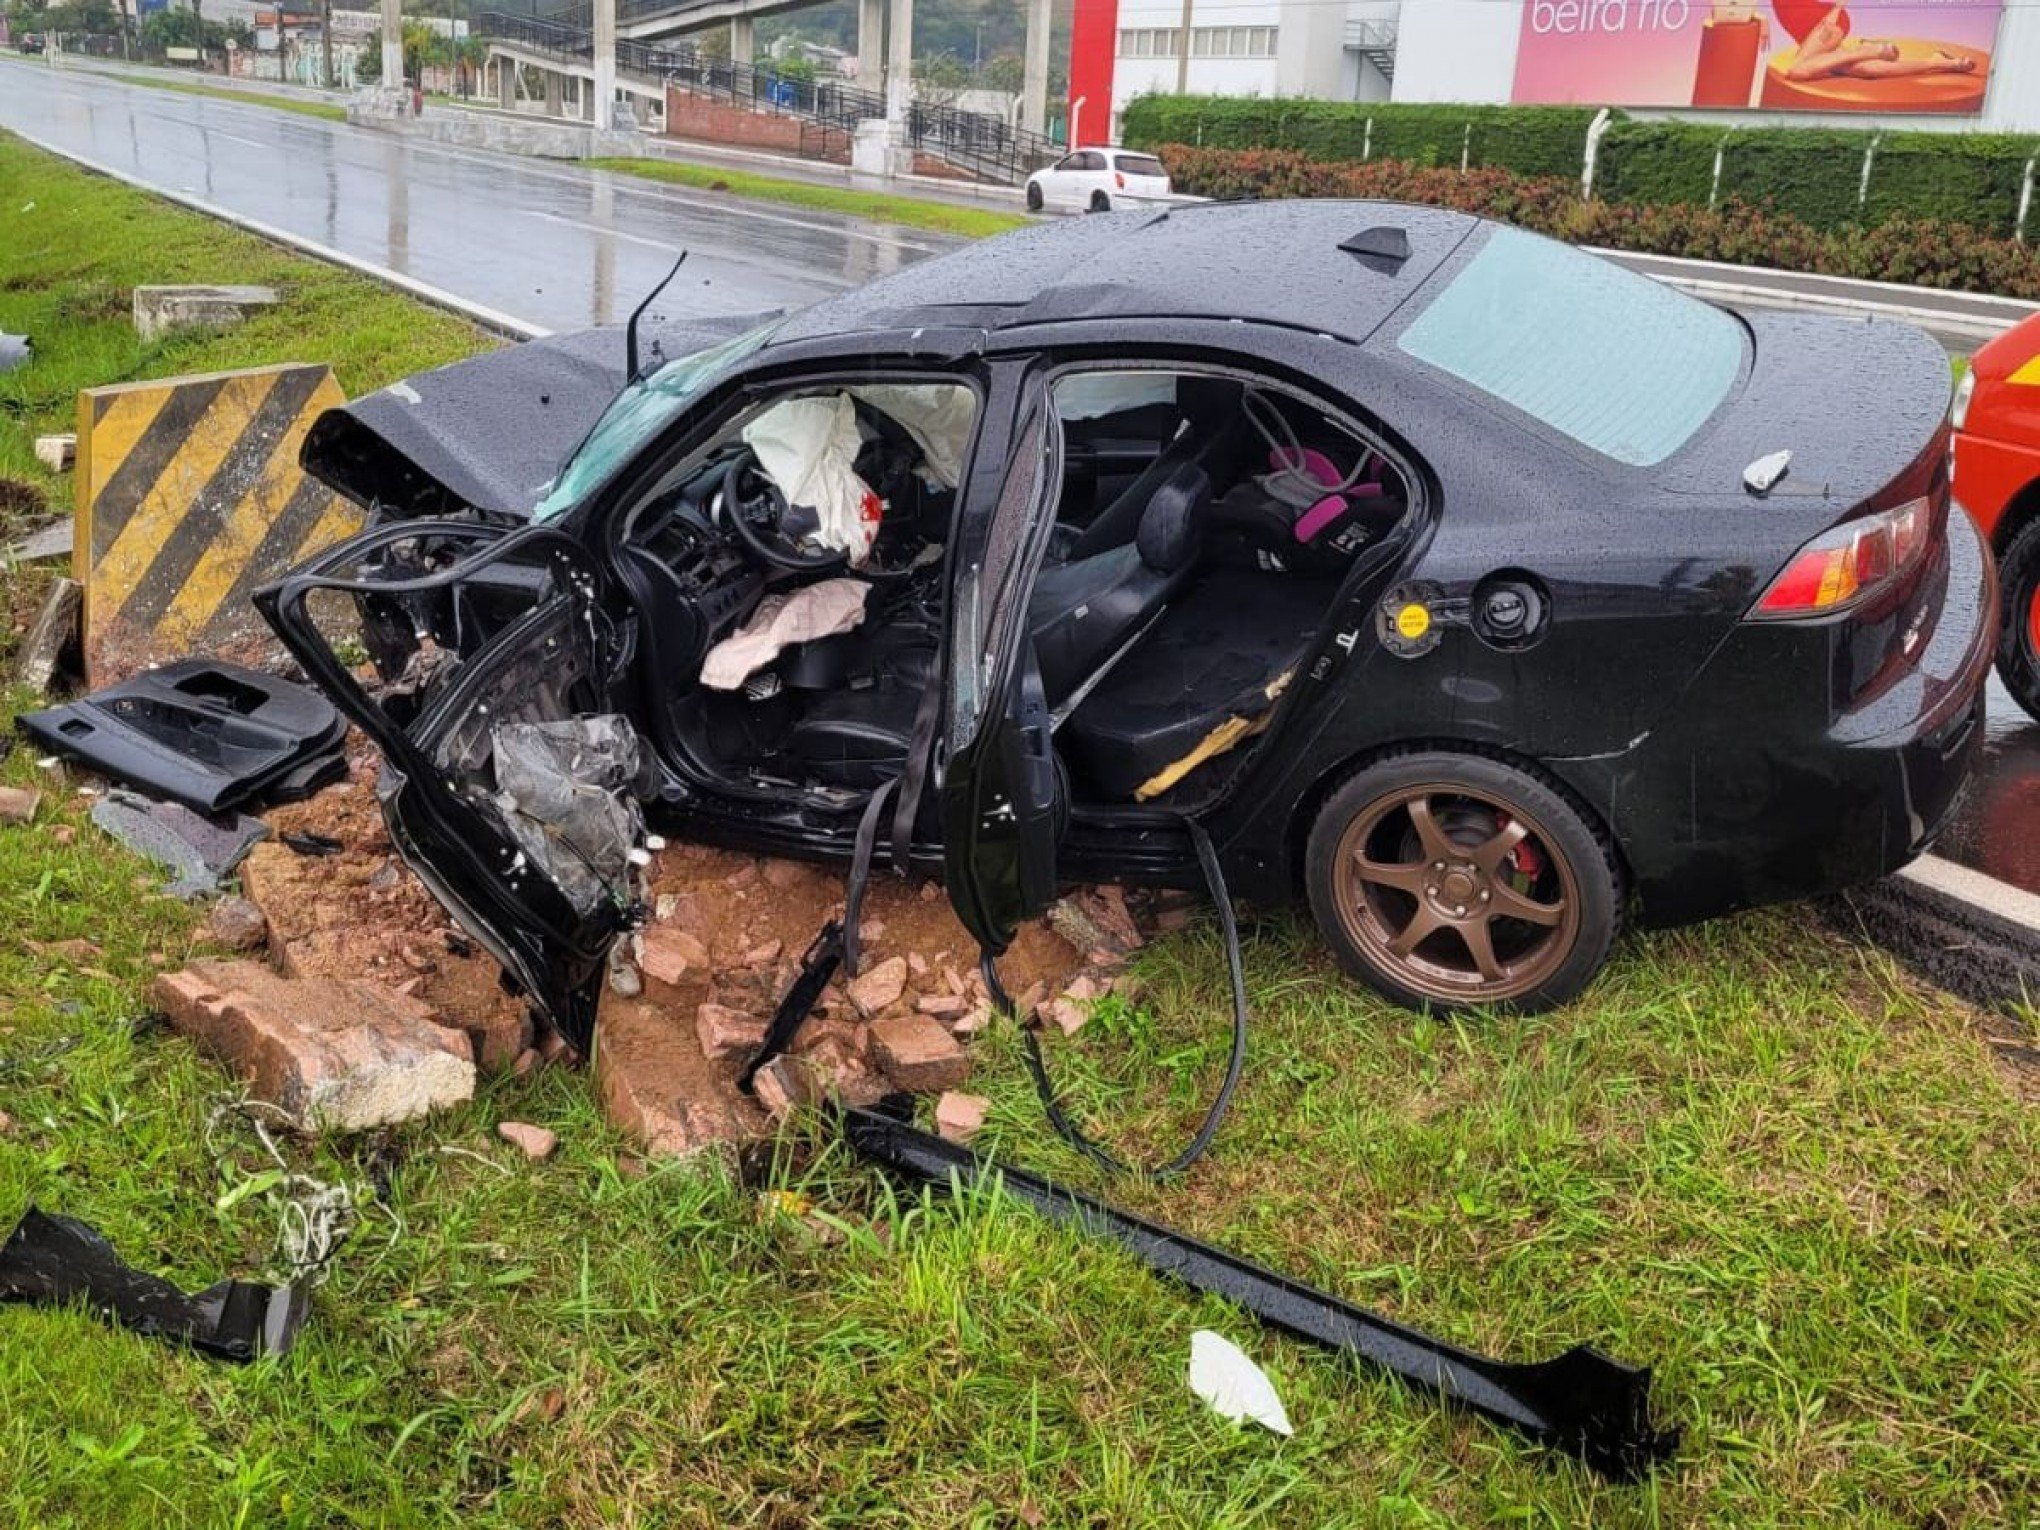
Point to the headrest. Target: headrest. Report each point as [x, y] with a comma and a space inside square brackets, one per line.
[1171, 524]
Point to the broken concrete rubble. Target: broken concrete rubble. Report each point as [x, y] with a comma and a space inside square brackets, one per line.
[880, 987]
[18, 804]
[161, 311]
[237, 924]
[56, 452]
[347, 1055]
[535, 1142]
[959, 1117]
[669, 952]
[918, 1054]
[727, 1033]
[51, 646]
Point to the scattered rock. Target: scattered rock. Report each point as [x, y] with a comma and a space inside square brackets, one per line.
[51, 646]
[623, 977]
[726, 1033]
[629, 1166]
[882, 986]
[535, 1142]
[930, 892]
[918, 1054]
[349, 1054]
[959, 1117]
[917, 964]
[777, 1085]
[871, 931]
[1066, 1013]
[943, 1006]
[527, 1062]
[972, 1023]
[64, 834]
[743, 876]
[6, 1124]
[237, 924]
[765, 955]
[670, 951]
[18, 804]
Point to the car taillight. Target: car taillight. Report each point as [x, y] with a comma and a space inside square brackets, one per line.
[1848, 564]
[1119, 180]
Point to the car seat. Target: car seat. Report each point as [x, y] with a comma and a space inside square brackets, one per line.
[1083, 611]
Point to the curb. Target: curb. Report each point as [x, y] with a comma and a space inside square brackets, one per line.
[1971, 934]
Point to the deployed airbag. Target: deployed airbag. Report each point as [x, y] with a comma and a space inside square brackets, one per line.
[813, 611]
[808, 447]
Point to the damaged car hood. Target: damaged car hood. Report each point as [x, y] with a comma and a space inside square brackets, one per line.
[489, 433]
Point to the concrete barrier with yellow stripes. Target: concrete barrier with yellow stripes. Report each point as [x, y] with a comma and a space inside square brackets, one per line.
[189, 495]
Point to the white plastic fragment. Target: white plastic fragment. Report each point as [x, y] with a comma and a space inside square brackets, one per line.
[1236, 1388]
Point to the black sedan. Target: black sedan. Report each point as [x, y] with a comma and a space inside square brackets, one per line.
[1472, 589]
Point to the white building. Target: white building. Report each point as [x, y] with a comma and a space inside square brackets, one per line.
[1468, 51]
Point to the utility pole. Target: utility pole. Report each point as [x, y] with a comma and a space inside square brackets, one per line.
[393, 44]
[326, 41]
[1183, 51]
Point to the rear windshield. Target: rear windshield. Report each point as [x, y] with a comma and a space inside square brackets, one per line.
[1618, 362]
[1140, 164]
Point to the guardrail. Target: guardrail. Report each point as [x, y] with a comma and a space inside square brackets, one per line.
[983, 146]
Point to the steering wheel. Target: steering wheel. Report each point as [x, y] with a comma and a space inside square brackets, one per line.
[757, 512]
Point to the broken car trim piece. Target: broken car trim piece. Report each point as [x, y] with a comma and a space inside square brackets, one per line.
[1581, 1402]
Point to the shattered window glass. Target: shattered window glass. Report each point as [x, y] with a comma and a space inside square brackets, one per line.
[640, 412]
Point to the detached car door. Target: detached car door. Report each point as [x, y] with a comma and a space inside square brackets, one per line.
[1003, 799]
[476, 628]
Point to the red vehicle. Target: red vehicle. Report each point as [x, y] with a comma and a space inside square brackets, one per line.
[1997, 475]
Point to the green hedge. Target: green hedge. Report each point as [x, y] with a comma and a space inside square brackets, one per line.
[1657, 163]
[1815, 174]
[1530, 140]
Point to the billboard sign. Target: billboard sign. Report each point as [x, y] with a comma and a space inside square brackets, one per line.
[1781, 55]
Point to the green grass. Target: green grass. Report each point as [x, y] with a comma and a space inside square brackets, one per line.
[303, 108]
[1754, 1156]
[72, 249]
[878, 207]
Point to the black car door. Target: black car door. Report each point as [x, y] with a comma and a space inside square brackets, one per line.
[1003, 798]
[495, 627]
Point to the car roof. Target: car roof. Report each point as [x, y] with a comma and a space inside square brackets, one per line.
[1279, 263]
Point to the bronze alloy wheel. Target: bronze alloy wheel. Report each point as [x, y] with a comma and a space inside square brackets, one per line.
[1458, 893]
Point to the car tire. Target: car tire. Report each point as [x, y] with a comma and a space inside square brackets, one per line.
[1033, 197]
[2018, 655]
[1100, 202]
[1446, 905]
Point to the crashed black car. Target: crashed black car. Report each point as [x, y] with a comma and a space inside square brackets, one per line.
[1465, 585]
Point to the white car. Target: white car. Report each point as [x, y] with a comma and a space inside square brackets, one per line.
[1096, 180]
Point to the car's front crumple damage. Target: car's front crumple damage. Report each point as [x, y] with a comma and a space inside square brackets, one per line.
[487, 435]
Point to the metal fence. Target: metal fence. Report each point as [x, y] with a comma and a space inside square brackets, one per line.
[980, 145]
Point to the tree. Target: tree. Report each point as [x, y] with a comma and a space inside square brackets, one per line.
[1007, 72]
[940, 78]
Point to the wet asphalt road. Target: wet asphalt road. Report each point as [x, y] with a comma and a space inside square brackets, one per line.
[1997, 830]
[557, 247]
[563, 248]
